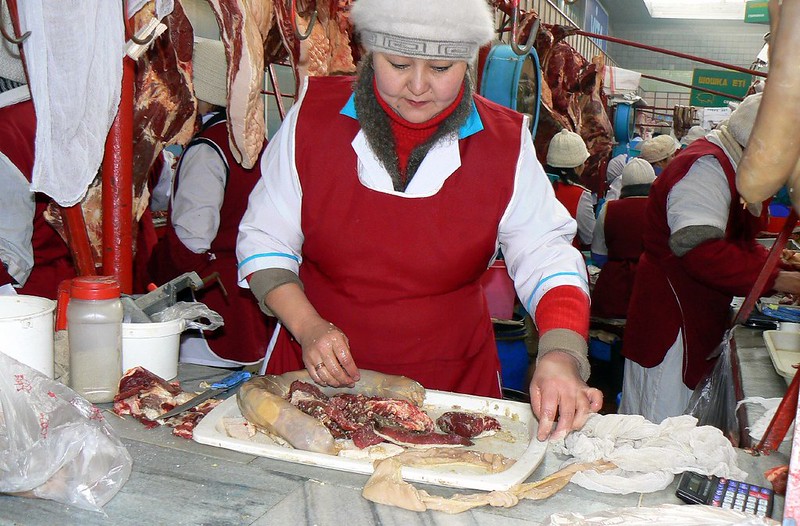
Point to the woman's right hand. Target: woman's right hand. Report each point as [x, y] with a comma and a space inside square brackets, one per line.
[326, 355]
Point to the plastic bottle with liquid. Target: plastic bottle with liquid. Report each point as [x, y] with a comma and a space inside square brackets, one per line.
[94, 324]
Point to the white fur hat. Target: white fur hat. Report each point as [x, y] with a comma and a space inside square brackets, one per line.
[658, 148]
[741, 121]
[638, 171]
[430, 29]
[210, 71]
[567, 150]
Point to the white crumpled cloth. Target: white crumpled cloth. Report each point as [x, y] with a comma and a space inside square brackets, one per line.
[664, 515]
[648, 455]
[759, 427]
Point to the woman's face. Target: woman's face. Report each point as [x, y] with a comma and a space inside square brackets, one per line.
[418, 89]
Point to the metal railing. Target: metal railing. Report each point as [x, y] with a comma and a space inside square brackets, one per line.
[550, 13]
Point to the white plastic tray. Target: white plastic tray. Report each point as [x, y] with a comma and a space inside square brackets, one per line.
[517, 443]
[784, 350]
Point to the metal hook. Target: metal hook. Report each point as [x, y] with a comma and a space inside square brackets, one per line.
[128, 31]
[8, 37]
[293, 14]
[522, 50]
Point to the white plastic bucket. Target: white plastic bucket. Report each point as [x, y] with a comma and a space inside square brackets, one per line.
[153, 346]
[26, 331]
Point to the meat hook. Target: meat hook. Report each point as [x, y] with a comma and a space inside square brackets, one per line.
[128, 31]
[293, 14]
[10, 37]
[522, 50]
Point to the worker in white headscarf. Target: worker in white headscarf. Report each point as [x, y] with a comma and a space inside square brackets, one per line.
[566, 156]
[659, 151]
[617, 242]
[613, 173]
[699, 252]
[694, 133]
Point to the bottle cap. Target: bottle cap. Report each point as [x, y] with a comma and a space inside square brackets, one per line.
[94, 288]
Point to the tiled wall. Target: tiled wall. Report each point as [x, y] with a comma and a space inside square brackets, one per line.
[732, 42]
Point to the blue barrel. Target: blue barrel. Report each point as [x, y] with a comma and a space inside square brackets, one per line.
[513, 81]
[513, 353]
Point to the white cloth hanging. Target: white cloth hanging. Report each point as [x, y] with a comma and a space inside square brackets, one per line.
[74, 60]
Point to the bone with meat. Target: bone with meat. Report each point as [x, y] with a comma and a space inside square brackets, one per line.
[772, 152]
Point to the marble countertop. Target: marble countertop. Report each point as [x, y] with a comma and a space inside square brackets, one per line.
[176, 481]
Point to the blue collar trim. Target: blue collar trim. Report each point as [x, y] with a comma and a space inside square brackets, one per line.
[471, 126]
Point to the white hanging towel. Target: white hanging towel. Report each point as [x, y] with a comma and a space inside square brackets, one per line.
[74, 60]
[618, 81]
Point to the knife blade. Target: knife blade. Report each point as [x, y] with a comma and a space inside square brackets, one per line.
[217, 388]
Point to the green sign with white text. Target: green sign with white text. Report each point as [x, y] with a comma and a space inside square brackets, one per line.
[756, 12]
[730, 82]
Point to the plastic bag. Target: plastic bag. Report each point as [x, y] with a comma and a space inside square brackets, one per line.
[192, 312]
[713, 401]
[54, 444]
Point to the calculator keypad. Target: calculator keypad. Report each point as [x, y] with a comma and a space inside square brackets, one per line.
[740, 496]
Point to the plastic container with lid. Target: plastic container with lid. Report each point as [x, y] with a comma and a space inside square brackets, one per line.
[94, 324]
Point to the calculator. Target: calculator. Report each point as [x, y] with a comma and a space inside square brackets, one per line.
[725, 493]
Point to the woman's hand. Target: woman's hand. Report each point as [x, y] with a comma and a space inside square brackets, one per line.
[557, 392]
[326, 355]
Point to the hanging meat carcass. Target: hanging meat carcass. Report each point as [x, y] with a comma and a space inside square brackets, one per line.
[572, 95]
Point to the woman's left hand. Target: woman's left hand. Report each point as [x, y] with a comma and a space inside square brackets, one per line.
[557, 392]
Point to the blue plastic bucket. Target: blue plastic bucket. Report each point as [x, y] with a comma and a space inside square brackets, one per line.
[513, 353]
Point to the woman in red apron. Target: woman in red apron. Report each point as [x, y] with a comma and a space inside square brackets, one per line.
[382, 202]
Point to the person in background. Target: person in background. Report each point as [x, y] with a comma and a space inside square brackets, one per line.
[566, 156]
[374, 261]
[209, 197]
[613, 176]
[659, 151]
[617, 241]
[699, 252]
[35, 259]
[694, 133]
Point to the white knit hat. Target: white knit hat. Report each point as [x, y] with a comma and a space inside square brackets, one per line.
[567, 150]
[741, 121]
[638, 171]
[430, 29]
[210, 71]
[615, 166]
[694, 133]
[658, 148]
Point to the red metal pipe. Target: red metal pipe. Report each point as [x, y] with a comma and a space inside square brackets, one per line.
[78, 240]
[706, 90]
[669, 52]
[118, 187]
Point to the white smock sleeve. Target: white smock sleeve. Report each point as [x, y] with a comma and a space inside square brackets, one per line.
[536, 232]
[16, 228]
[197, 200]
[270, 234]
[586, 218]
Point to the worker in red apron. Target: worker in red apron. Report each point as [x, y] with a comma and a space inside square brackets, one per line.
[617, 241]
[659, 151]
[699, 252]
[34, 257]
[209, 197]
[383, 201]
[566, 156]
